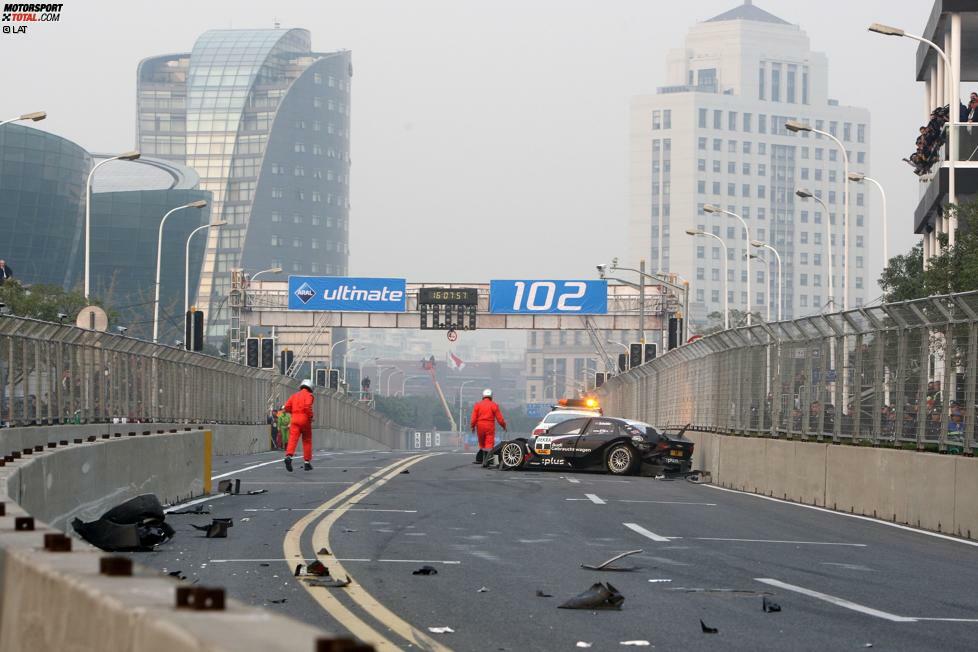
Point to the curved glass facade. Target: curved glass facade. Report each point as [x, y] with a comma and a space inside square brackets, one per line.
[42, 205]
[265, 122]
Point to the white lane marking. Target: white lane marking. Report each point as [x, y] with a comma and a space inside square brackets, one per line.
[839, 602]
[800, 543]
[635, 527]
[854, 567]
[573, 481]
[667, 502]
[305, 482]
[949, 620]
[277, 460]
[594, 499]
[310, 509]
[328, 559]
[898, 526]
[180, 506]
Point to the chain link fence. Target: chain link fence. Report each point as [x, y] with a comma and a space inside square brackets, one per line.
[59, 374]
[900, 374]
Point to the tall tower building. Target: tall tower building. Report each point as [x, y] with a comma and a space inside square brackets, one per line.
[715, 134]
[265, 122]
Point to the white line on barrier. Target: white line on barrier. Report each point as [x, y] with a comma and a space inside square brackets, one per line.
[839, 602]
[594, 499]
[635, 527]
[898, 526]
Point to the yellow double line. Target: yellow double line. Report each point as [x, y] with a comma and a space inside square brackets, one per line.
[337, 506]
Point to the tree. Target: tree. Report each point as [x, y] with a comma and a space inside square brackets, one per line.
[903, 278]
[737, 318]
[42, 302]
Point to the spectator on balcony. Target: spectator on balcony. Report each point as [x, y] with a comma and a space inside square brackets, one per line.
[970, 113]
[5, 271]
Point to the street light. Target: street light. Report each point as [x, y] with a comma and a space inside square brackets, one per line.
[859, 177]
[270, 270]
[710, 208]
[726, 306]
[346, 353]
[794, 125]
[186, 262]
[777, 256]
[200, 203]
[127, 156]
[36, 116]
[805, 194]
[460, 413]
[658, 278]
[952, 99]
[391, 375]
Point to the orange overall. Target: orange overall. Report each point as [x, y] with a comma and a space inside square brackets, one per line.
[485, 414]
[299, 406]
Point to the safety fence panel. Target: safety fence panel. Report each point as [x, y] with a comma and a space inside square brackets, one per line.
[60, 374]
[899, 374]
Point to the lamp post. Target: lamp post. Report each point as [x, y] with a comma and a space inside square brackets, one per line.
[391, 375]
[334, 345]
[658, 279]
[795, 126]
[859, 177]
[767, 289]
[127, 156]
[346, 353]
[710, 208]
[777, 257]
[186, 262]
[36, 116]
[726, 306]
[805, 194]
[953, 102]
[270, 270]
[460, 413]
[200, 203]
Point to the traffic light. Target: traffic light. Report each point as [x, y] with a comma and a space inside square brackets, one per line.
[675, 332]
[650, 352]
[286, 358]
[268, 353]
[598, 379]
[193, 330]
[622, 363]
[334, 378]
[321, 377]
[634, 355]
[251, 349]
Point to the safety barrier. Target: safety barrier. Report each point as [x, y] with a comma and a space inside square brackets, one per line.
[899, 374]
[57, 374]
[58, 593]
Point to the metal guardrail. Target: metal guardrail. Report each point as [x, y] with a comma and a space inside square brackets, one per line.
[60, 374]
[895, 374]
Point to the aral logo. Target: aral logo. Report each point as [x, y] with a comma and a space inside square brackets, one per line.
[305, 293]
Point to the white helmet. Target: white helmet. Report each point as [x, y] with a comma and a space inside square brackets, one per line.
[487, 393]
[306, 383]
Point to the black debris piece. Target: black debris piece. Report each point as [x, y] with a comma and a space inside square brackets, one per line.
[237, 486]
[482, 590]
[769, 606]
[707, 629]
[218, 529]
[405, 472]
[344, 470]
[196, 509]
[264, 564]
[177, 574]
[323, 551]
[279, 601]
[599, 596]
[330, 583]
[136, 525]
[224, 486]
[606, 566]
[426, 570]
[255, 492]
[317, 568]
[346, 529]
[298, 569]
[543, 594]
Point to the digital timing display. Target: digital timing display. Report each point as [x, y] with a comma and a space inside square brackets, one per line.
[448, 296]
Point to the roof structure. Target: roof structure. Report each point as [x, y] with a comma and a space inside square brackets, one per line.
[748, 11]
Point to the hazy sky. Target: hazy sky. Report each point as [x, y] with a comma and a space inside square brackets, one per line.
[489, 137]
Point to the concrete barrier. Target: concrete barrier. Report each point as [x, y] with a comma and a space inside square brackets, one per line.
[926, 490]
[60, 601]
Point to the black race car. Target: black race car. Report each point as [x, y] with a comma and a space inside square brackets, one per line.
[618, 446]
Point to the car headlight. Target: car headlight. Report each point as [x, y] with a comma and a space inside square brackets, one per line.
[639, 441]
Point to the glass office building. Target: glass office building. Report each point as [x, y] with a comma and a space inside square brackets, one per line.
[42, 205]
[265, 121]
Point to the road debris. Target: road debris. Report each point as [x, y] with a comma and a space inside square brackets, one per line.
[543, 594]
[255, 492]
[769, 606]
[483, 590]
[707, 629]
[135, 525]
[699, 477]
[330, 583]
[298, 570]
[606, 566]
[425, 570]
[323, 551]
[317, 568]
[177, 574]
[405, 472]
[657, 580]
[278, 601]
[196, 509]
[441, 630]
[264, 564]
[599, 596]
[218, 528]
[583, 644]
[346, 529]
[638, 643]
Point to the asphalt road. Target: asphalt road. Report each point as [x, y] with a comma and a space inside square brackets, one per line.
[709, 554]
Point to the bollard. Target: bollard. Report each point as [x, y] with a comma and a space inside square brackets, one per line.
[63, 442]
[15, 455]
[24, 523]
[341, 645]
[38, 448]
[92, 438]
[3, 508]
[200, 598]
[78, 441]
[57, 542]
[115, 566]
[28, 451]
[52, 444]
[106, 436]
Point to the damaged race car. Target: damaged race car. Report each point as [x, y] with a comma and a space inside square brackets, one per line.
[617, 446]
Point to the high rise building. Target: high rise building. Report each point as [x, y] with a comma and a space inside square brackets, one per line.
[265, 121]
[715, 135]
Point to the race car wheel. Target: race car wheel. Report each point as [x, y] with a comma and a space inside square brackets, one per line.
[620, 460]
[511, 456]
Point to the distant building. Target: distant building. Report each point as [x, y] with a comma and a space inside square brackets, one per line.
[265, 121]
[715, 134]
[560, 364]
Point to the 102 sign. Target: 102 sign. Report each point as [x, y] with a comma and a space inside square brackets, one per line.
[554, 297]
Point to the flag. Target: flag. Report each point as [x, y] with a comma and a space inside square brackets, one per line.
[457, 363]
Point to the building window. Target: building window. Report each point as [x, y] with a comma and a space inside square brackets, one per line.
[803, 300]
[715, 274]
[731, 167]
[299, 171]
[775, 82]
[859, 282]
[700, 252]
[317, 196]
[716, 167]
[276, 241]
[317, 102]
[745, 190]
[700, 274]
[717, 119]
[792, 72]
[761, 123]
[803, 237]
[732, 120]
[657, 120]
[860, 220]
[745, 169]
[296, 218]
[761, 79]
[701, 144]
[315, 220]
[666, 118]
[277, 193]
[760, 192]
[861, 157]
[699, 296]
[701, 187]
[859, 262]
[747, 125]
[860, 199]
[717, 144]
[861, 133]
[702, 119]
[701, 165]
[847, 131]
[299, 148]
[746, 147]
[317, 78]
[716, 187]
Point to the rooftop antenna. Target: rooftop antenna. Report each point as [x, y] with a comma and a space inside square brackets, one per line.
[277, 24]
